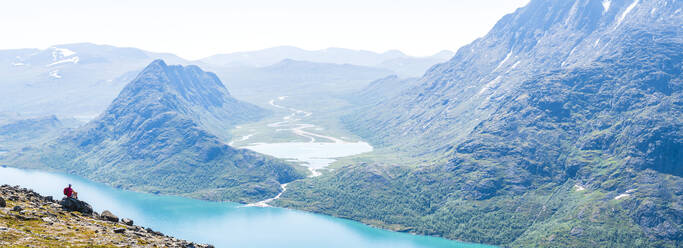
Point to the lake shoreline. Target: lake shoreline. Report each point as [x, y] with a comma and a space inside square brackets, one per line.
[444, 242]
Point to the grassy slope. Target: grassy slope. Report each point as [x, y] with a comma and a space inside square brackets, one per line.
[511, 181]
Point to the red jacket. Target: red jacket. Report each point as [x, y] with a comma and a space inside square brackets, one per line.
[68, 191]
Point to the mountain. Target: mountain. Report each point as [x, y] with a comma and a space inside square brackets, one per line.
[16, 134]
[274, 55]
[30, 219]
[299, 79]
[80, 80]
[70, 80]
[415, 66]
[393, 60]
[165, 133]
[560, 127]
[383, 89]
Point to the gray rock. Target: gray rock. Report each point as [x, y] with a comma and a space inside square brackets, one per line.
[127, 221]
[149, 230]
[108, 216]
[2, 203]
[17, 208]
[71, 204]
[119, 230]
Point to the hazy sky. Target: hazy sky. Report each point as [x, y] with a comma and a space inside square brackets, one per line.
[197, 28]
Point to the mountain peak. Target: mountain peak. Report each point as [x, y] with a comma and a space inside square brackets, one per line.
[187, 90]
[158, 62]
[168, 123]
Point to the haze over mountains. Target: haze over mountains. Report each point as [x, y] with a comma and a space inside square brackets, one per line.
[69, 80]
[393, 60]
[560, 127]
[166, 133]
[79, 80]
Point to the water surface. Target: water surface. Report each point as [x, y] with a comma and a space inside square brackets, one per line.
[223, 224]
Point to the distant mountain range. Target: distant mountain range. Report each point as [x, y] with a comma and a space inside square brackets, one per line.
[69, 80]
[393, 60]
[561, 127]
[165, 133]
[80, 80]
[298, 79]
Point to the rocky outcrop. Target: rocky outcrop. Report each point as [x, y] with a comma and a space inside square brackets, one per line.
[127, 221]
[31, 220]
[108, 216]
[72, 204]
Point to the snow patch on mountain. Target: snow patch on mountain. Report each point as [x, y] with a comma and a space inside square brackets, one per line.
[605, 5]
[73, 59]
[61, 52]
[504, 60]
[512, 67]
[55, 74]
[490, 85]
[623, 15]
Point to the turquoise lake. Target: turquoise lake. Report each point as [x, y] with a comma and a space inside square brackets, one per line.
[223, 224]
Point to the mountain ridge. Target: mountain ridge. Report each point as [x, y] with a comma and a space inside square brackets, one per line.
[560, 127]
[165, 133]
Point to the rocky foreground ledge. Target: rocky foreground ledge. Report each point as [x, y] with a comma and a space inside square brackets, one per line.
[28, 219]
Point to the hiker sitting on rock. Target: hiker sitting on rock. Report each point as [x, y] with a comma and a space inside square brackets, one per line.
[70, 193]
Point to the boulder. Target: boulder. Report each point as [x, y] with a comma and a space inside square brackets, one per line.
[119, 230]
[108, 216]
[127, 221]
[2, 203]
[149, 230]
[17, 208]
[71, 204]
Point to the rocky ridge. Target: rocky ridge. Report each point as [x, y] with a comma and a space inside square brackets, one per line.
[28, 219]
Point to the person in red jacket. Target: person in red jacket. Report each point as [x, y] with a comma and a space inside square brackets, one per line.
[69, 192]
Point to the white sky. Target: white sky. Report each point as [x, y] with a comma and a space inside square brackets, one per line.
[198, 28]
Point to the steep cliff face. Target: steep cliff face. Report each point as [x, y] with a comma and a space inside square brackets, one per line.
[561, 127]
[164, 133]
[541, 37]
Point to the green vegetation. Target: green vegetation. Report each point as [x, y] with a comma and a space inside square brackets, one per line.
[164, 134]
[587, 156]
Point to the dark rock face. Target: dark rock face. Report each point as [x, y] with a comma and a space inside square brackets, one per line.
[71, 204]
[2, 203]
[108, 216]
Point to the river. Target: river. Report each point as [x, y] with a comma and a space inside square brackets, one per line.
[223, 224]
[320, 151]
